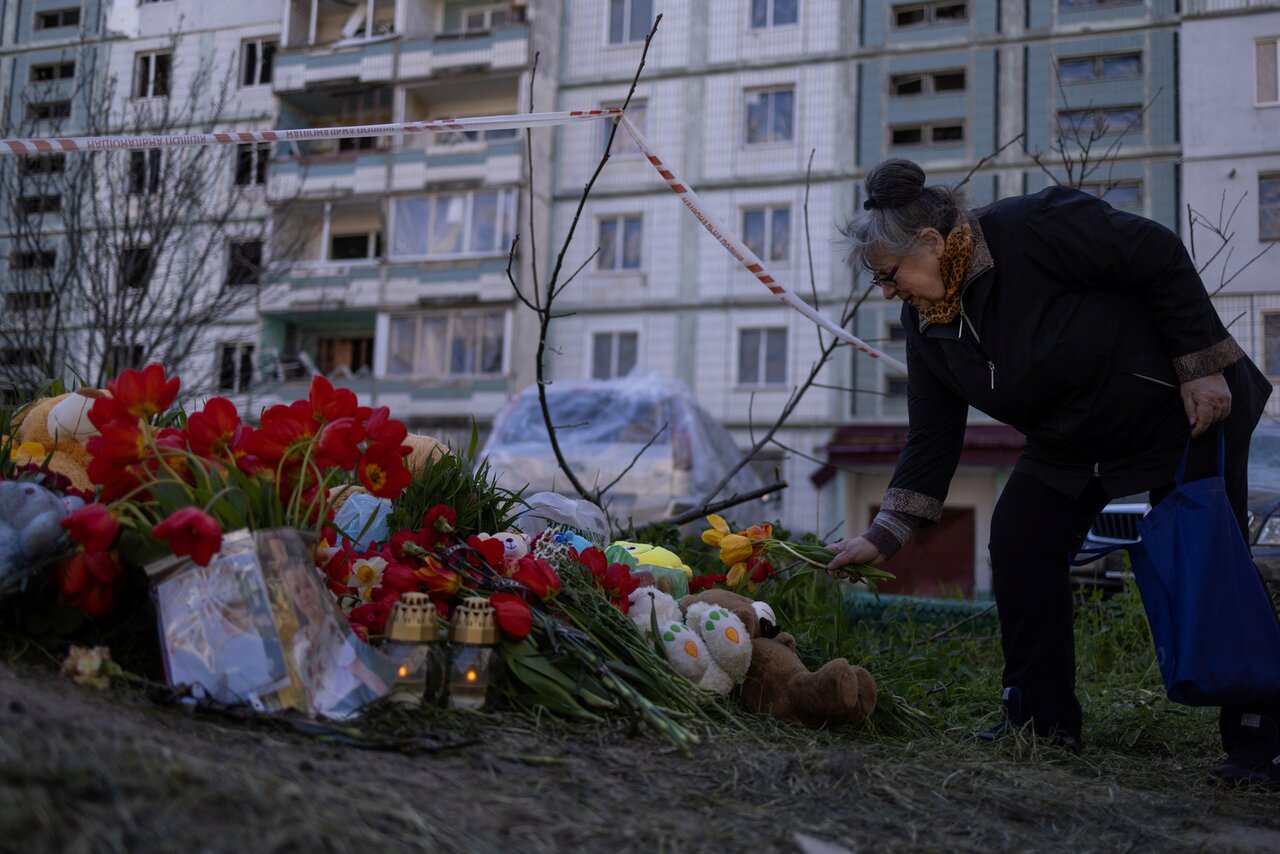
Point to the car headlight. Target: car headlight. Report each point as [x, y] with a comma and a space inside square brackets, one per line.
[1270, 533]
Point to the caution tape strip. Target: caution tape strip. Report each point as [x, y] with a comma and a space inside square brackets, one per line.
[732, 245]
[101, 143]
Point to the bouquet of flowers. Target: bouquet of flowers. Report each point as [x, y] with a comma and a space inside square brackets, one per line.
[179, 481]
[746, 552]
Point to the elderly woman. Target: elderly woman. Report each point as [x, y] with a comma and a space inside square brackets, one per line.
[1089, 331]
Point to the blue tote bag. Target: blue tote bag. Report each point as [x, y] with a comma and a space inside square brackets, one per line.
[1216, 634]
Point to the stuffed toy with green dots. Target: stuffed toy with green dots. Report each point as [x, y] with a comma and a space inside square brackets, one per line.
[707, 645]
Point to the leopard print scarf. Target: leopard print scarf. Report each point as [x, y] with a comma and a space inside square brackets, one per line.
[954, 263]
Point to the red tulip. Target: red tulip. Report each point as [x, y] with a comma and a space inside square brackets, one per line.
[400, 578]
[513, 614]
[339, 440]
[537, 575]
[90, 581]
[437, 579]
[93, 527]
[384, 473]
[214, 430]
[385, 433]
[328, 404]
[373, 617]
[191, 531]
[144, 393]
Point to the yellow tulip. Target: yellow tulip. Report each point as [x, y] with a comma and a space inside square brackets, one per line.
[734, 549]
[736, 573]
[719, 527]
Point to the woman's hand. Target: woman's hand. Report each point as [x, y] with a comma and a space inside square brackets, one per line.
[1207, 401]
[855, 550]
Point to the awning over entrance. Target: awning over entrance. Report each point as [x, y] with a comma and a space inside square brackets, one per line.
[861, 445]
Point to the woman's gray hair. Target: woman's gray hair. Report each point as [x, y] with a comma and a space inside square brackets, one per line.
[898, 207]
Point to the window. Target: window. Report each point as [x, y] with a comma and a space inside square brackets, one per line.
[40, 259]
[18, 357]
[774, 13]
[123, 356]
[1266, 63]
[257, 56]
[629, 20]
[451, 224]
[1271, 344]
[767, 232]
[486, 19]
[135, 267]
[613, 354]
[1093, 4]
[924, 14]
[447, 345]
[1084, 69]
[893, 331]
[46, 71]
[946, 133]
[28, 300]
[58, 18]
[345, 356]
[1269, 207]
[47, 110]
[762, 356]
[620, 241]
[40, 204]
[1119, 194]
[623, 144]
[144, 171]
[1099, 122]
[895, 385]
[362, 246]
[251, 163]
[770, 115]
[235, 367]
[151, 75]
[443, 138]
[42, 164]
[929, 83]
[244, 262]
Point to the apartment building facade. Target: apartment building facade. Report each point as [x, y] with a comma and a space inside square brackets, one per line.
[394, 249]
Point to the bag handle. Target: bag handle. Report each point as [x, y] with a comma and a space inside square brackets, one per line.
[1222, 456]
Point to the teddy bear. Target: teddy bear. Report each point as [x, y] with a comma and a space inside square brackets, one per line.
[60, 425]
[706, 644]
[777, 683]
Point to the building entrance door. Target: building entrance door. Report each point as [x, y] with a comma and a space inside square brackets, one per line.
[936, 561]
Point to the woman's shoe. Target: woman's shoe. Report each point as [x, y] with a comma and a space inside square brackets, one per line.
[1254, 752]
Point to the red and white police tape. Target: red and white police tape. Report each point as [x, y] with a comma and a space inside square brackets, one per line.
[732, 245]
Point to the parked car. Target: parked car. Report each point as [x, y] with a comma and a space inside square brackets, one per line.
[1118, 521]
[601, 426]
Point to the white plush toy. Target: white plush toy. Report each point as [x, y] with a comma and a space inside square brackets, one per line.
[709, 646]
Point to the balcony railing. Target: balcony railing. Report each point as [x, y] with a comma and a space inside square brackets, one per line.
[1211, 7]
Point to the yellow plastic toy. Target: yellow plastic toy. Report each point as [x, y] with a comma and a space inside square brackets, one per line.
[655, 556]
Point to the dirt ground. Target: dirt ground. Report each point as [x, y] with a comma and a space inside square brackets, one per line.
[87, 771]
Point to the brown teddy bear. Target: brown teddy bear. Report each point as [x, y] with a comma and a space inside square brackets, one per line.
[778, 683]
[59, 424]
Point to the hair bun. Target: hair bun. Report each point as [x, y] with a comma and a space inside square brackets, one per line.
[893, 183]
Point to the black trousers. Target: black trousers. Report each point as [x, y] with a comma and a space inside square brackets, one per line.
[1034, 532]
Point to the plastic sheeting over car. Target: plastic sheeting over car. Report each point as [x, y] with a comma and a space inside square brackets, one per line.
[601, 427]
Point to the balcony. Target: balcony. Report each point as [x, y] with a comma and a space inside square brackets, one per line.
[502, 49]
[368, 61]
[333, 175]
[1218, 7]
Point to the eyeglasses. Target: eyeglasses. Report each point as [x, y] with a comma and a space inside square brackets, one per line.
[887, 279]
